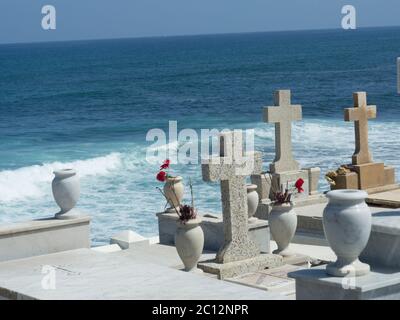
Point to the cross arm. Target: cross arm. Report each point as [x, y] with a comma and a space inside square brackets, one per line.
[353, 114]
[223, 168]
[278, 114]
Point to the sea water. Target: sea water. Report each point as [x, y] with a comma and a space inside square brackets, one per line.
[89, 105]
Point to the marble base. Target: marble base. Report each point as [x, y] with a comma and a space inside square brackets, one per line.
[355, 269]
[284, 253]
[213, 231]
[233, 269]
[370, 177]
[315, 284]
[43, 236]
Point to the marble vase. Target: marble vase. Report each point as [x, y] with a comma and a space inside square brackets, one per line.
[174, 190]
[252, 201]
[347, 227]
[66, 190]
[283, 224]
[189, 242]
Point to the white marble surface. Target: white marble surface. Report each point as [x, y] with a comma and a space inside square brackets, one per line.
[386, 221]
[382, 283]
[85, 274]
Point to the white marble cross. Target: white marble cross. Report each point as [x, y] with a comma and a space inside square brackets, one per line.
[360, 115]
[231, 168]
[282, 114]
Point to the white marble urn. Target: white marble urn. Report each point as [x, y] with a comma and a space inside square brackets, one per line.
[174, 191]
[252, 201]
[347, 227]
[283, 224]
[66, 189]
[189, 242]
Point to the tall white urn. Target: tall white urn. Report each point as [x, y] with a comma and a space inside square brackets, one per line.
[66, 190]
[174, 191]
[283, 223]
[347, 227]
[189, 242]
[252, 201]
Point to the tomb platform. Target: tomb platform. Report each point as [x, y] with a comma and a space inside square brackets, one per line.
[371, 177]
[315, 284]
[310, 228]
[389, 199]
[383, 248]
[83, 274]
[44, 236]
[213, 231]
[236, 268]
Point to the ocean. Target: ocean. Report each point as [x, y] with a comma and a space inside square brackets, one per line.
[89, 105]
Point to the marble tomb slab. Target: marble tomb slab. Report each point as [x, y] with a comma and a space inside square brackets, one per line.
[383, 247]
[85, 274]
[315, 284]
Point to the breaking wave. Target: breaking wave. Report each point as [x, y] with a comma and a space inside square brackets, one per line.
[33, 181]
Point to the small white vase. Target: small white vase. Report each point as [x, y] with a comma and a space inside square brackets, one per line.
[347, 227]
[252, 201]
[66, 189]
[283, 224]
[174, 190]
[189, 242]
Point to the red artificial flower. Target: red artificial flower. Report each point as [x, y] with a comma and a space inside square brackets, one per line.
[299, 185]
[165, 164]
[161, 176]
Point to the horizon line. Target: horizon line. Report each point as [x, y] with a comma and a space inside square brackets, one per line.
[192, 35]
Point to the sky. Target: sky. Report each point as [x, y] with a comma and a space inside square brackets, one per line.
[20, 20]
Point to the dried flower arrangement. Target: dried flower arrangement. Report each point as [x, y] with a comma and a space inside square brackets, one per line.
[281, 195]
[332, 175]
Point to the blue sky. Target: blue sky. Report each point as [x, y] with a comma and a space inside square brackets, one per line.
[20, 20]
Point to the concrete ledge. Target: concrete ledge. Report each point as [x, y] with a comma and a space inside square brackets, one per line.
[43, 236]
[213, 231]
[233, 269]
[315, 284]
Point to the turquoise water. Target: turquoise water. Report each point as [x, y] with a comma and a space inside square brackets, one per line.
[89, 105]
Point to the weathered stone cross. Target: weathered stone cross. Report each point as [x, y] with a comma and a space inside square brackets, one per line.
[231, 167]
[282, 114]
[360, 115]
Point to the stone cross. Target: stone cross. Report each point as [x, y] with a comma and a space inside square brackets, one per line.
[282, 114]
[360, 115]
[231, 168]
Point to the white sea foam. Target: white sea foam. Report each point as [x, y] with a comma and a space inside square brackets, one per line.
[33, 181]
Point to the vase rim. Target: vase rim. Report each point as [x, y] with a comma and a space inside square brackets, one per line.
[63, 173]
[190, 222]
[347, 194]
[286, 204]
[177, 178]
[251, 186]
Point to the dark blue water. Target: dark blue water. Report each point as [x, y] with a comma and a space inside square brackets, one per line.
[89, 104]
